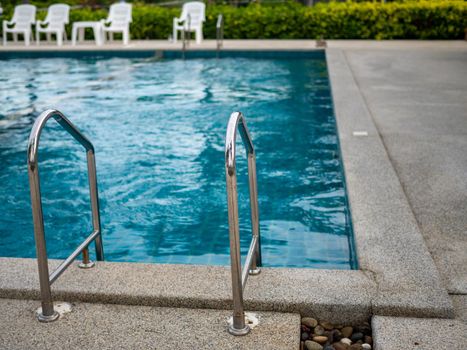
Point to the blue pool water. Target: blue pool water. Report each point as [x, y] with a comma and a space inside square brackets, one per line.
[158, 127]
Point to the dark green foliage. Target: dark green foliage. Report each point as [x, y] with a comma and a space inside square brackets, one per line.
[335, 20]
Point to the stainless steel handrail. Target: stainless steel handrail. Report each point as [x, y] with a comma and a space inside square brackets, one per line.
[253, 259]
[48, 313]
[185, 37]
[219, 33]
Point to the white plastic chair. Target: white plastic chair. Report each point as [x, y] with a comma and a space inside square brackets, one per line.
[23, 18]
[118, 21]
[57, 18]
[192, 18]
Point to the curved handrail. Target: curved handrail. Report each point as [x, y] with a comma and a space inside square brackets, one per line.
[34, 136]
[253, 258]
[236, 121]
[48, 313]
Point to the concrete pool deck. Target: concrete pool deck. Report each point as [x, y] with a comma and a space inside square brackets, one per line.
[248, 45]
[410, 244]
[106, 327]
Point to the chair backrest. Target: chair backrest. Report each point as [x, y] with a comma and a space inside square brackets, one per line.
[24, 16]
[119, 15]
[58, 15]
[196, 10]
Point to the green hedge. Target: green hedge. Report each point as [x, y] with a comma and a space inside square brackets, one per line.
[348, 20]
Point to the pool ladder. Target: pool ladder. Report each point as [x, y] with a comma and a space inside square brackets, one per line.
[238, 325]
[219, 34]
[186, 35]
[48, 313]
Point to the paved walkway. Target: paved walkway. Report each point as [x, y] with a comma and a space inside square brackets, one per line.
[417, 98]
[243, 45]
[396, 333]
[98, 326]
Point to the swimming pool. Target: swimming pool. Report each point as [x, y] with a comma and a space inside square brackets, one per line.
[158, 127]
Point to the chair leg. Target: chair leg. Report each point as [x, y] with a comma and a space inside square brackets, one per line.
[73, 36]
[27, 36]
[15, 37]
[38, 36]
[59, 36]
[174, 35]
[126, 37]
[199, 35]
[5, 34]
[99, 35]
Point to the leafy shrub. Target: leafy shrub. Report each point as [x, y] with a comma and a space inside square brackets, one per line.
[335, 20]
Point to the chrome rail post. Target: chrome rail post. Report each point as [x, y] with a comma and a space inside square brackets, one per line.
[183, 43]
[189, 29]
[253, 259]
[48, 313]
[186, 34]
[219, 34]
[46, 279]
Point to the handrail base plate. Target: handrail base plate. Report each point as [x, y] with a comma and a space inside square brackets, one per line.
[83, 265]
[254, 272]
[60, 309]
[239, 332]
[43, 318]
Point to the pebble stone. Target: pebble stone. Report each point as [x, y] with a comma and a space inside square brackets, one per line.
[346, 341]
[320, 339]
[312, 345]
[347, 332]
[319, 330]
[309, 322]
[323, 335]
[330, 336]
[336, 335]
[355, 347]
[365, 329]
[356, 337]
[327, 325]
[340, 346]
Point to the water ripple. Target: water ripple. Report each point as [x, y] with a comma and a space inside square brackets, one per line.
[158, 128]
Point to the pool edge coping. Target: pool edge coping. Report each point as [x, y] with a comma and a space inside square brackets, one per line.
[388, 240]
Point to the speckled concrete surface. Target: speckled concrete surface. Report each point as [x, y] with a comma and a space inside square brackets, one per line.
[305, 291]
[97, 326]
[418, 102]
[397, 333]
[460, 307]
[136, 45]
[245, 45]
[389, 242]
